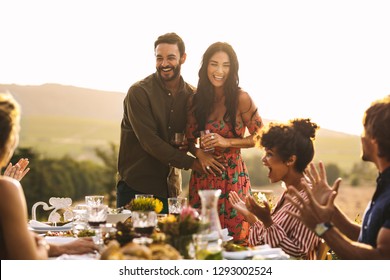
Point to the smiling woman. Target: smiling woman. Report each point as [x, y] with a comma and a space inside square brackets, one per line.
[288, 151]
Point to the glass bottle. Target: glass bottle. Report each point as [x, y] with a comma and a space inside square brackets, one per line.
[208, 242]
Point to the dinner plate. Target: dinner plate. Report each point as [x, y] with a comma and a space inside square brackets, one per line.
[264, 251]
[39, 227]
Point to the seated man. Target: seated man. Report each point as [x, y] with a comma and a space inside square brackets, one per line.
[348, 240]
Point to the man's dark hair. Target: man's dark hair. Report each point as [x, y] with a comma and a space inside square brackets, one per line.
[376, 123]
[171, 38]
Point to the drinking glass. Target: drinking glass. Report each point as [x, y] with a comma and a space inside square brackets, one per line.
[80, 218]
[97, 214]
[178, 139]
[202, 134]
[104, 234]
[176, 204]
[94, 200]
[144, 222]
[207, 247]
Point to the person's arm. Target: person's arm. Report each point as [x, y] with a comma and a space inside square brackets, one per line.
[285, 232]
[249, 114]
[141, 117]
[345, 225]
[204, 160]
[348, 249]
[20, 243]
[311, 213]
[79, 246]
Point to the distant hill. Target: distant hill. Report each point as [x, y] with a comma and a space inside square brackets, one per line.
[67, 101]
[59, 119]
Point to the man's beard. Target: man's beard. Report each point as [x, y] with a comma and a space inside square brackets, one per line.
[176, 73]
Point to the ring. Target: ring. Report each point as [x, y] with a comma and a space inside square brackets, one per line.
[212, 136]
[208, 167]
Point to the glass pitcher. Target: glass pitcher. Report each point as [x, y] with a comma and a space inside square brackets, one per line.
[208, 242]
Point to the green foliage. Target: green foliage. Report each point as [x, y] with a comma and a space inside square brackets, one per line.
[365, 171]
[258, 174]
[333, 172]
[63, 177]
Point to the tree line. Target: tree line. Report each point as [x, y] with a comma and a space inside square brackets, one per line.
[67, 177]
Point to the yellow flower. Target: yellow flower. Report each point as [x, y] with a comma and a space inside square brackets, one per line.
[158, 205]
[145, 204]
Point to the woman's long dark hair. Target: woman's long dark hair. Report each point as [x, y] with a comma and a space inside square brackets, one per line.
[204, 98]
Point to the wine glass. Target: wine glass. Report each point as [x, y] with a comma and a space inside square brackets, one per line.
[144, 222]
[97, 215]
[94, 200]
[178, 139]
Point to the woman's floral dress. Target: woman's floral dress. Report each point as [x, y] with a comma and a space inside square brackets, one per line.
[234, 178]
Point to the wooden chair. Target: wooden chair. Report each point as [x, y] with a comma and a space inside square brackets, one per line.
[323, 251]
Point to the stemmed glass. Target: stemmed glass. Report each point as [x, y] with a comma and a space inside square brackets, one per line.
[144, 222]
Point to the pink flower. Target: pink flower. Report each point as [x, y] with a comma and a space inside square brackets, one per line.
[189, 212]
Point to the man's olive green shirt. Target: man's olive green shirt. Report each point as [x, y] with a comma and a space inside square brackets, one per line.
[151, 116]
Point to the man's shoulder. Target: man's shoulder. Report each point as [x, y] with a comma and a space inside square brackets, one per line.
[145, 81]
[143, 84]
[190, 87]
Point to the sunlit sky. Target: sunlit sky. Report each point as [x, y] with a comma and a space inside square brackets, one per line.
[326, 60]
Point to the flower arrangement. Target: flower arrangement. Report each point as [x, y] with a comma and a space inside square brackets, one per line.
[186, 223]
[179, 230]
[145, 204]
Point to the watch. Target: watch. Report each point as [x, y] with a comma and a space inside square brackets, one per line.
[321, 228]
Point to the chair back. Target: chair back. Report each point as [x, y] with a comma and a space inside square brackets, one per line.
[323, 251]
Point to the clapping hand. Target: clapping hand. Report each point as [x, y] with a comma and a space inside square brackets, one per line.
[241, 208]
[319, 183]
[319, 205]
[17, 171]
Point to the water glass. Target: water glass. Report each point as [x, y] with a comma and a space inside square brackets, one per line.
[207, 247]
[94, 200]
[176, 204]
[104, 234]
[144, 222]
[97, 215]
[202, 134]
[80, 218]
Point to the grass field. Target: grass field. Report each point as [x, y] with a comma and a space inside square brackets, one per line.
[351, 200]
[58, 136]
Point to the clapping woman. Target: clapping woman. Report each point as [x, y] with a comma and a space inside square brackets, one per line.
[16, 241]
[288, 151]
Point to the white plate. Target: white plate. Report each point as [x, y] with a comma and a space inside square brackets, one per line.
[43, 229]
[263, 251]
[239, 255]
